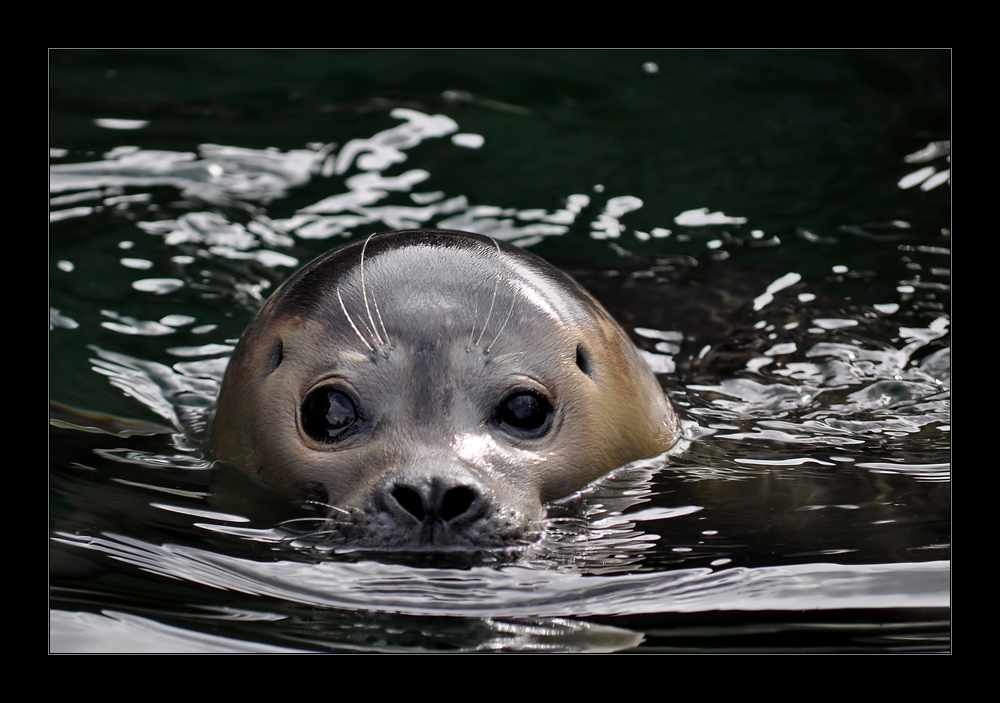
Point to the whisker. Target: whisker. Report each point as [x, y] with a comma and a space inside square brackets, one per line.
[472, 334]
[351, 321]
[324, 533]
[364, 293]
[379, 314]
[496, 287]
[334, 507]
[513, 299]
[297, 520]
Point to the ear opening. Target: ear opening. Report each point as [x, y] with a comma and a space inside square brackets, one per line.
[276, 357]
[583, 361]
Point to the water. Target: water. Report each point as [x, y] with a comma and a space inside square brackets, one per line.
[773, 228]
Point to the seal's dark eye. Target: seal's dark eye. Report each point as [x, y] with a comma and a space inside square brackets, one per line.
[327, 414]
[525, 414]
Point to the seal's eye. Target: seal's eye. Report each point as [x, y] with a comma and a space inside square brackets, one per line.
[525, 414]
[327, 414]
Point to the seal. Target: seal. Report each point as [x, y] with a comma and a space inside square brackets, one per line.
[434, 389]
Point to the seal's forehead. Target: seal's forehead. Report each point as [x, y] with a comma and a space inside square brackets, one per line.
[422, 270]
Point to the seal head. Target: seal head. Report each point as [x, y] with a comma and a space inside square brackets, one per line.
[433, 389]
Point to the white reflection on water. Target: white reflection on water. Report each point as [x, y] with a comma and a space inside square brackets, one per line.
[520, 592]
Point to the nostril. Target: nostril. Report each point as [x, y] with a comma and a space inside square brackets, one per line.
[457, 501]
[410, 500]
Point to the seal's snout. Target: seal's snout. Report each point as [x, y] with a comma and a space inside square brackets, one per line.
[435, 507]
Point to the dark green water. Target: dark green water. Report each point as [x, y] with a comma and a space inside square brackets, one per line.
[801, 322]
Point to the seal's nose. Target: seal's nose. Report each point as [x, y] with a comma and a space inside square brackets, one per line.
[446, 507]
[434, 501]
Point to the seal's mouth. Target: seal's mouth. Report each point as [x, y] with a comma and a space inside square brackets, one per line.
[363, 534]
